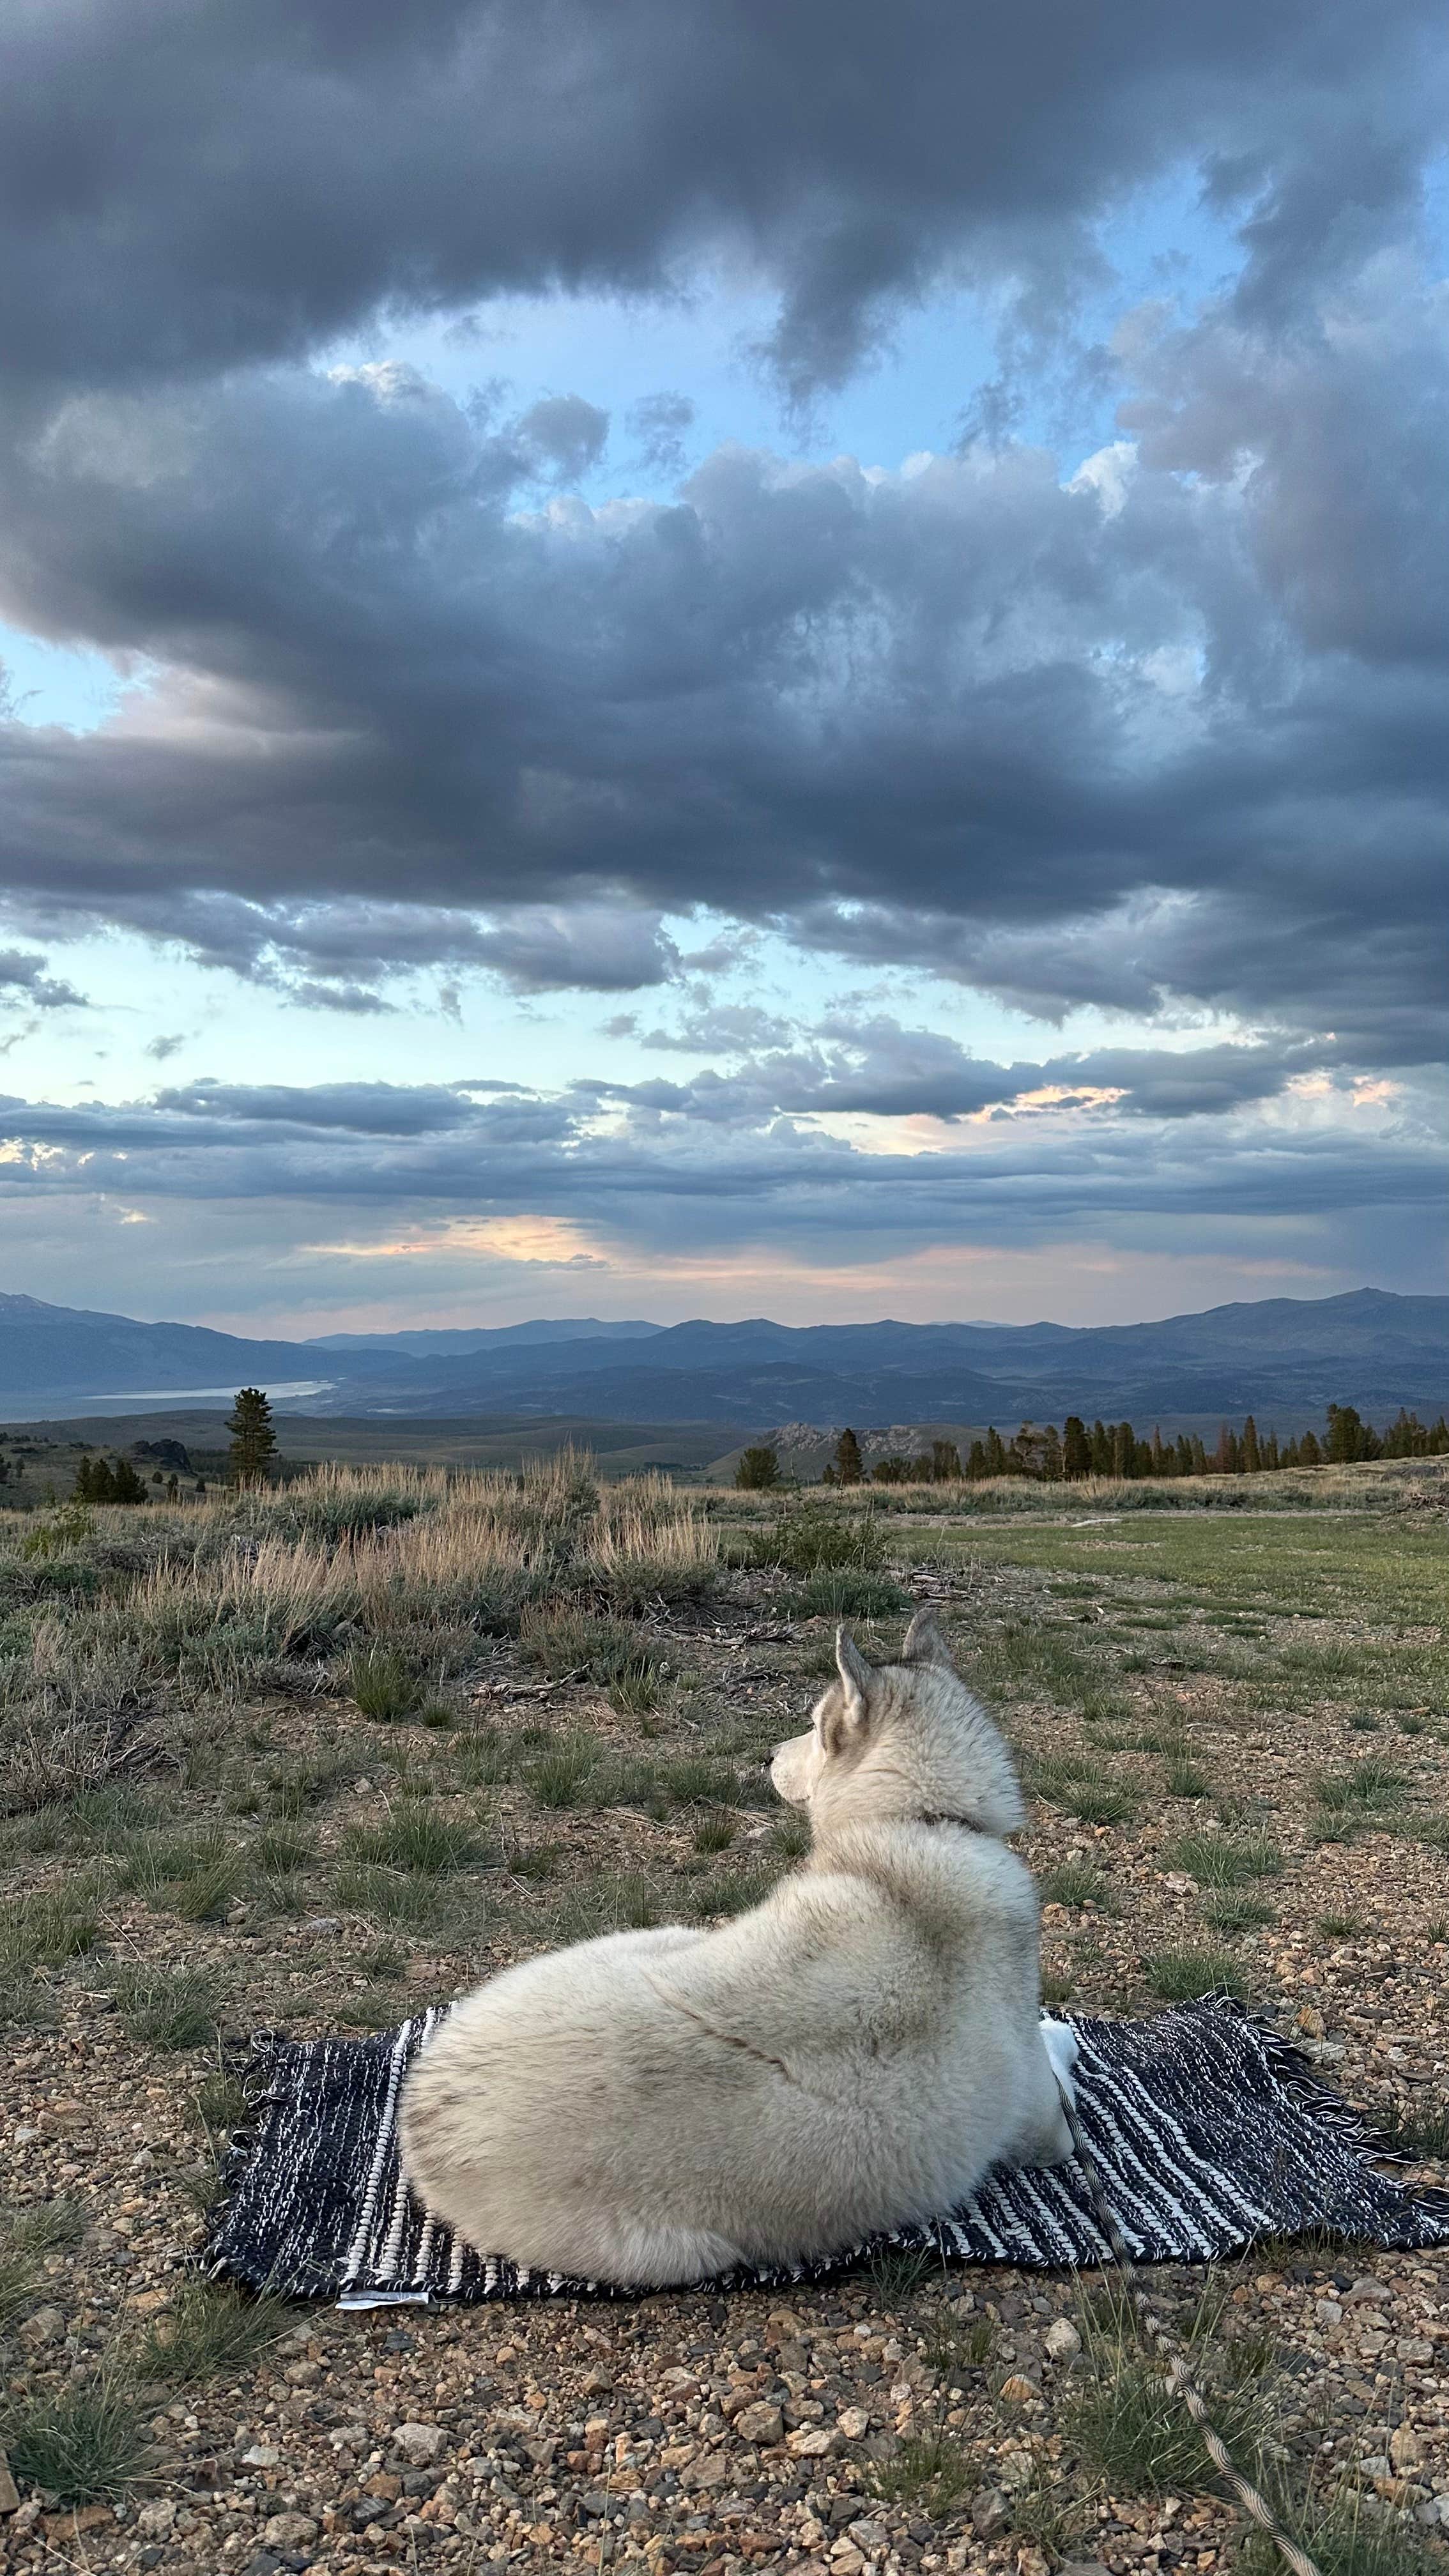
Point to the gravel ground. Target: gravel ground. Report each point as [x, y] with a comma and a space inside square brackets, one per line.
[1226, 1675]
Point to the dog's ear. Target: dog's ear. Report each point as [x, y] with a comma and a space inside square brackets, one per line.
[857, 1683]
[925, 1643]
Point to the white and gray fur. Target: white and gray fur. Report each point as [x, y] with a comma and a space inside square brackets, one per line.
[852, 2054]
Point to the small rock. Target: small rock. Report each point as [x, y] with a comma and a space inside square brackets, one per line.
[1405, 2448]
[288, 2530]
[25, 2136]
[597, 2383]
[846, 2559]
[1310, 2022]
[260, 2456]
[1062, 2340]
[1178, 1881]
[867, 2534]
[713, 2470]
[989, 2512]
[46, 2326]
[1328, 2312]
[9, 2492]
[1016, 2390]
[760, 2424]
[812, 2442]
[419, 2443]
[323, 1922]
[155, 2520]
[853, 2422]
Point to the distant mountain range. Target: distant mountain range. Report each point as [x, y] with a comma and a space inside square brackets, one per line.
[1283, 1359]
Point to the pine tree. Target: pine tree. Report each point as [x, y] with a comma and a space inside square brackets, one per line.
[253, 1440]
[1124, 1447]
[1076, 1448]
[1051, 1455]
[1101, 1450]
[1185, 1462]
[945, 1462]
[1309, 1453]
[1252, 1455]
[126, 1485]
[849, 1464]
[996, 1458]
[1341, 1446]
[758, 1469]
[976, 1463]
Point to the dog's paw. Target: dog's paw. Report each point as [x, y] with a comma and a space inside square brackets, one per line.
[1060, 2042]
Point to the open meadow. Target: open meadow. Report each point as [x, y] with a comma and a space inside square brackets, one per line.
[311, 1757]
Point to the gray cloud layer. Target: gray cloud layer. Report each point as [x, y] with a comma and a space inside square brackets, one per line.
[1170, 735]
[189, 186]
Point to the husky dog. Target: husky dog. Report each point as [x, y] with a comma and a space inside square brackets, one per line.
[656, 2106]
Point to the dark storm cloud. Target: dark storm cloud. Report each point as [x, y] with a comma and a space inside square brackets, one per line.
[430, 1155]
[1173, 730]
[1171, 733]
[186, 185]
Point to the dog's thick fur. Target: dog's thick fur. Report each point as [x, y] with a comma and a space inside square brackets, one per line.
[656, 2106]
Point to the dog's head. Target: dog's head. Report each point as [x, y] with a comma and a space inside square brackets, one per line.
[900, 1740]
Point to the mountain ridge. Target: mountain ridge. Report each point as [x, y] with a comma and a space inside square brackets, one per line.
[1284, 1359]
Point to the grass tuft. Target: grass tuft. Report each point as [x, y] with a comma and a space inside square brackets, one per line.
[1226, 1860]
[167, 2008]
[82, 2440]
[1233, 1912]
[208, 2331]
[1184, 1976]
[413, 1838]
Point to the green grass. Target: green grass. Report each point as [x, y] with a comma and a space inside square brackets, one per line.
[715, 1834]
[280, 1849]
[1135, 2435]
[930, 2471]
[1362, 1793]
[415, 1839]
[26, 2237]
[1346, 2536]
[45, 1929]
[1234, 1912]
[729, 1891]
[167, 2007]
[1082, 1789]
[483, 1757]
[206, 2332]
[383, 1683]
[1182, 1976]
[83, 2440]
[789, 1836]
[1421, 2130]
[1077, 1882]
[194, 1871]
[848, 1592]
[1226, 1860]
[568, 1776]
[1185, 1780]
[1341, 1927]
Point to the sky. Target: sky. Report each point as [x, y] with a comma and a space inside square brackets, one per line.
[705, 660]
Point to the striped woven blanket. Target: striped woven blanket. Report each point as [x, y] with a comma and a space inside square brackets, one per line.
[1208, 2130]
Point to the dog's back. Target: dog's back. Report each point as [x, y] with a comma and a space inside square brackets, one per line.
[851, 2054]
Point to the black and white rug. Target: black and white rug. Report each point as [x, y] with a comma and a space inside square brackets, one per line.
[1208, 2130]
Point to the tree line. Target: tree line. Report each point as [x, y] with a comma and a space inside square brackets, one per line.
[251, 1460]
[1115, 1449]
